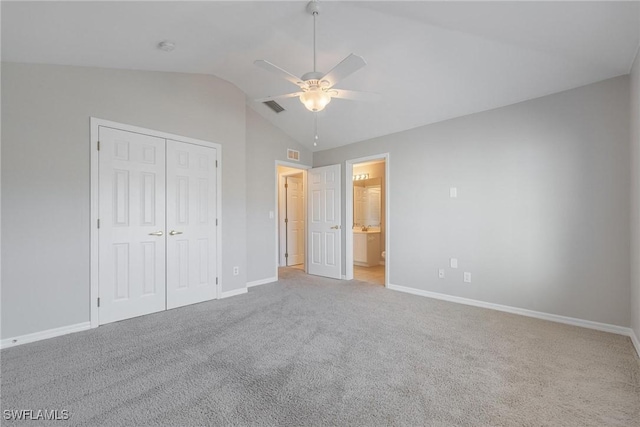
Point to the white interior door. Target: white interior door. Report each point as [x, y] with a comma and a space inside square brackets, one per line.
[295, 220]
[191, 223]
[131, 238]
[325, 234]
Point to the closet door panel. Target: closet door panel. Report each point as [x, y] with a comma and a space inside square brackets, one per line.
[131, 238]
[191, 223]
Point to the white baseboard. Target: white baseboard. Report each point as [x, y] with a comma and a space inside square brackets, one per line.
[635, 341]
[233, 293]
[620, 330]
[43, 335]
[262, 282]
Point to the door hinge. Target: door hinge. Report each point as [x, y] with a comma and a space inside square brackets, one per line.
[216, 280]
[286, 220]
[216, 221]
[286, 185]
[286, 255]
[216, 163]
[98, 301]
[98, 145]
[98, 222]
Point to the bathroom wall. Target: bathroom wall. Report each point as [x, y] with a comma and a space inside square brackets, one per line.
[376, 170]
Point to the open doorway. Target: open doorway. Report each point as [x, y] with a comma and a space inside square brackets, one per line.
[291, 217]
[367, 212]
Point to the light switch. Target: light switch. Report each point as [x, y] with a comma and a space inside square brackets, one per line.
[453, 192]
[454, 263]
[270, 214]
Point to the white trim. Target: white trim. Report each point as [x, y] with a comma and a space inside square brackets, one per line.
[303, 169]
[95, 124]
[233, 293]
[43, 335]
[605, 327]
[93, 250]
[291, 165]
[261, 282]
[349, 213]
[635, 341]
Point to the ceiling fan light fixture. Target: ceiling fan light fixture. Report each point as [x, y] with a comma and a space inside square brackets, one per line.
[315, 99]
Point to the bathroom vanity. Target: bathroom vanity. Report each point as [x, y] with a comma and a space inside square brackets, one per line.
[366, 247]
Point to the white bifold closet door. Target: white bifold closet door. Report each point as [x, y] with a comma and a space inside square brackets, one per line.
[157, 235]
[131, 270]
[191, 216]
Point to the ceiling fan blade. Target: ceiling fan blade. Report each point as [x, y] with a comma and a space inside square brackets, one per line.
[279, 71]
[354, 95]
[348, 66]
[286, 95]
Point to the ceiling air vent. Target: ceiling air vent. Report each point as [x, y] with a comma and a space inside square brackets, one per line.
[274, 106]
[293, 155]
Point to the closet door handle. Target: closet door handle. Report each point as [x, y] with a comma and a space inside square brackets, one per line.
[335, 227]
[174, 232]
[156, 233]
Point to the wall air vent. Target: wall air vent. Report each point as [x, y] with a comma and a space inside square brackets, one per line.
[293, 155]
[274, 106]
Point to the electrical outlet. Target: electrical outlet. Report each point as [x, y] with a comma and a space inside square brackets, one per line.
[270, 214]
[454, 263]
[236, 271]
[453, 192]
[467, 277]
[441, 273]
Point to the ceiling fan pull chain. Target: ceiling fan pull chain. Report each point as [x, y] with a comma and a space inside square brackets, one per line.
[315, 129]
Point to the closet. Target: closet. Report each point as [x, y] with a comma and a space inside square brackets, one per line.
[157, 223]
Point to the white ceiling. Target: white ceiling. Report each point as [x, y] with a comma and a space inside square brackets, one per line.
[430, 61]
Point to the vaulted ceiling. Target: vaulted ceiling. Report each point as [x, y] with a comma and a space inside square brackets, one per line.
[429, 61]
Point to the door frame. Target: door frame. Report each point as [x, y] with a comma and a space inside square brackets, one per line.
[95, 124]
[349, 213]
[282, 203]
[276, 216]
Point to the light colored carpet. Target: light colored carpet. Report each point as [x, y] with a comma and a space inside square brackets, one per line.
[312, 351]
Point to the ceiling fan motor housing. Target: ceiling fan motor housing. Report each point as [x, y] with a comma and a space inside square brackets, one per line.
[313, 7]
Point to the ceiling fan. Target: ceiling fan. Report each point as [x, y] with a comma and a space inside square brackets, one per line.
[316, 88]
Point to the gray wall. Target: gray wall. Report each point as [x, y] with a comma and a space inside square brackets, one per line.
[542, 215]
[46, 181]
[635, 196]
[265, 145]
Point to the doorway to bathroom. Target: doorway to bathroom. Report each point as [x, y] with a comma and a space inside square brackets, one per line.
[367, 211]
[291, 217]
